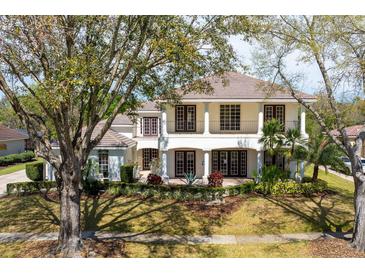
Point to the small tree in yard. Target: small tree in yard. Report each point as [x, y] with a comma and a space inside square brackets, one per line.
[335, 45]
[77, 70]
[322, 152]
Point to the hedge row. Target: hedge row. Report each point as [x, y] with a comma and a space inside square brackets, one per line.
[291, 187]
[16, 158]
[29, 187]
[179, 192]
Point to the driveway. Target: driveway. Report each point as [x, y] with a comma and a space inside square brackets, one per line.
[18, 176]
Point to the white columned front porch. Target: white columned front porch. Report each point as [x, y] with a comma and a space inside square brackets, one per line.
[206, 119]
[260, 118]
[206, 166]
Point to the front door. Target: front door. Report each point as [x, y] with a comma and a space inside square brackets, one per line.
[232, 163]
[184, 162]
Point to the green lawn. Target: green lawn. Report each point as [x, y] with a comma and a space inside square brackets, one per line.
[136, 250]
[251, 214]
[16, 167]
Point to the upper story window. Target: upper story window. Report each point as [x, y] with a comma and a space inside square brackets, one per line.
[150, 126]
[274, 111]
[230, 116]
[104, 163]
[185, 118]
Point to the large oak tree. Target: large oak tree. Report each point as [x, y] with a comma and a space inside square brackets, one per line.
[335, 45]
[78, 70]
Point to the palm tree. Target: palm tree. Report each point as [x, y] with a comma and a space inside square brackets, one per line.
[296, 144]
[321, 152]
[272, 136]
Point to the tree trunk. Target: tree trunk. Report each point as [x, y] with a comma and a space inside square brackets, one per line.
[315, 173]
[358, 236]
[69, 238]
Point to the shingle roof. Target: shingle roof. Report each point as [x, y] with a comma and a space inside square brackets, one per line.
[351, 131]
[112, 139]
[240, 86]
[7, 134]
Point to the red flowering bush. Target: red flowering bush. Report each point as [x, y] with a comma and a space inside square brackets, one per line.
[154, 179]
[215, 179]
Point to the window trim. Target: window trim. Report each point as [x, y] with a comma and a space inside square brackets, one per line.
[185, 161]
[242, 172]
[274, 113]
[232, 125]
[148, 121]
[184, 121]
[103, 152]
[151, 151]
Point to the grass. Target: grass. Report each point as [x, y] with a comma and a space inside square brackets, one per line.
[137, 250]
[251, 214]
[16, 167]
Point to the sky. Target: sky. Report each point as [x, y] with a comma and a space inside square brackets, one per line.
[312, 78]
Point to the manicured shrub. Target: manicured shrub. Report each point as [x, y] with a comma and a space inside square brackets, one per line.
[179, 192]
[154, 179]
[29, 187]
[291, 187]
[126, 173]
[16, 158]
[34, 171]
[215, 179]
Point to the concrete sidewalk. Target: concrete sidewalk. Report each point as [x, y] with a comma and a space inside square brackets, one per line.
[177, 239]
[18, 176]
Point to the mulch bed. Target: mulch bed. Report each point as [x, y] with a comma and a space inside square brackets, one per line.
[334, 248]
[206, 209]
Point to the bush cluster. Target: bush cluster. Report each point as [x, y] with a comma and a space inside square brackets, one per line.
[291, 187]
[29, 187]
[215, 179]
[16, 158]
[34, 171]
[179, 192]
[126, 173]
[154, 179]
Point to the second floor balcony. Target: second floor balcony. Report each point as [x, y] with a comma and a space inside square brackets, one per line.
[219, 127]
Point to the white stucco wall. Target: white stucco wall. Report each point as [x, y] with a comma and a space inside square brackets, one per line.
[117, 157]
[13, 147]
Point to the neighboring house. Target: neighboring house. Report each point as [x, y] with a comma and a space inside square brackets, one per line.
[352, 132]
[206, 132]
[11, 141]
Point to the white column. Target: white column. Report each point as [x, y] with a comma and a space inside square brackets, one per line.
[301, 167]
[260, 161]
[260, 118]
[164, 175]
[138, 127]
[206, 119]
[163, 122]
[206, 166]
[293, 169]
[302, 122]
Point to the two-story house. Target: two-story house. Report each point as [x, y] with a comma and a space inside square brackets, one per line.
[206, 132]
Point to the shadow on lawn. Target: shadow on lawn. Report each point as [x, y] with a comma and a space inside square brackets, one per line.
[143, 215]
[324, 212]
